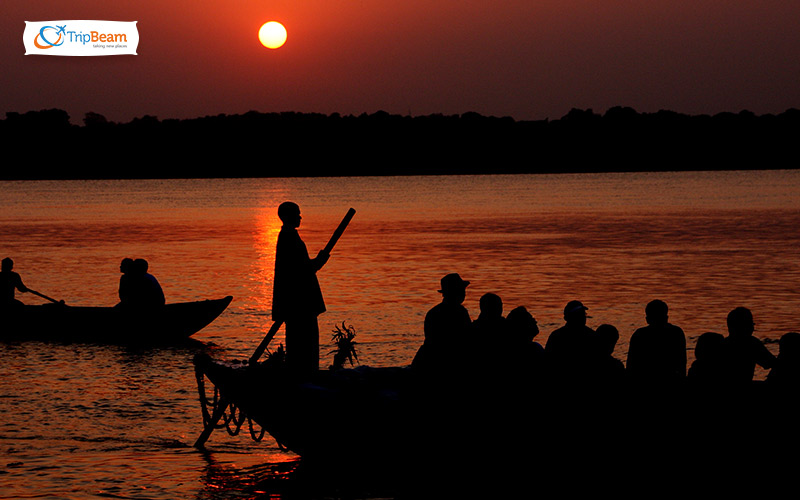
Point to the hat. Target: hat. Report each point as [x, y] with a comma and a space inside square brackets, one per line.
[574, 306]
[453, 282]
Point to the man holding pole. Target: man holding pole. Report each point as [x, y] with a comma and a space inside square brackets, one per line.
[297, 297]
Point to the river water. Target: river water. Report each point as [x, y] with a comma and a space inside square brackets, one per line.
[86, 421]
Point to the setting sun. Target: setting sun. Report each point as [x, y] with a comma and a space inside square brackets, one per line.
[272, 35]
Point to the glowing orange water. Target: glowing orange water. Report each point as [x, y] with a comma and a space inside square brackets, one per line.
[105, 420]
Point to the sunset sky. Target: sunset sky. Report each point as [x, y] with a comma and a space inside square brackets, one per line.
[528, 59]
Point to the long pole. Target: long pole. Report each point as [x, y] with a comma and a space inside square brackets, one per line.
[264, 343]
[339, 230]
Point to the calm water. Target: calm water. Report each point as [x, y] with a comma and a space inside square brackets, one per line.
[98, 421]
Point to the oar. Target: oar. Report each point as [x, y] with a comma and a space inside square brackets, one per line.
[45, 297]
[264, 343]
[328, 248]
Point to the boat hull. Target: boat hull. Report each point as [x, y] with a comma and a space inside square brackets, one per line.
[333, 415]
[388, 419]
[60, 322]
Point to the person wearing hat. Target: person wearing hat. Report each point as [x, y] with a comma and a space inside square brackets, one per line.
[657, 352]
[446, 324]
[574, 349]
[297, 297]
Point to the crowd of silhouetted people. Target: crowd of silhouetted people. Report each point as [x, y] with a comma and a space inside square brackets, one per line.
[576, 355]
[578, 416]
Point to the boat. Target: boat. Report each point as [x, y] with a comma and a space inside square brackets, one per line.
[491, 431]
[60, 322]
[358, 402]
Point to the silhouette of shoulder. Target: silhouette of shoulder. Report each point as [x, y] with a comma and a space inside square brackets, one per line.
[444, 318]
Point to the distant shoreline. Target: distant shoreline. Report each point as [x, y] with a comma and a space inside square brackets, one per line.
[292, 144]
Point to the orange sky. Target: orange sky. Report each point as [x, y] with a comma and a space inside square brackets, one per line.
[527, 59]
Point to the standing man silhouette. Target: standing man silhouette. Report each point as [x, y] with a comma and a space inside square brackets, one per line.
[297, 297]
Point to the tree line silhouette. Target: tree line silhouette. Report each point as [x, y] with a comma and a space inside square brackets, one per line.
[256, 144]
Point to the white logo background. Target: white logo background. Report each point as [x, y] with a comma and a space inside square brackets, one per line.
[81, 38]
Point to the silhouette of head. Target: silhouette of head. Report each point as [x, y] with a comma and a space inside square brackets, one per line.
[708, 345]
[7, 264]
[608, 336]
[740, 322]
[575, 313]
[453, 287]
[789, 347]
[522, 324]
[289, 213]
[139, 266]
[491, 305]
[656, 312]
[126, 265]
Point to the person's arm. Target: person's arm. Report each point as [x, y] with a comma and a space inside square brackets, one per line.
[20, 286]
[320, 260]
[764, 357]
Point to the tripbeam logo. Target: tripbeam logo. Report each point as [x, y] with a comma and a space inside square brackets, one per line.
[81, 38]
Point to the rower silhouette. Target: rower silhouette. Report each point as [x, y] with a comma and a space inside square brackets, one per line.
[10, 281]
[297, 298]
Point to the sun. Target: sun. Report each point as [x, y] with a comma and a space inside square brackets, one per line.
[272, 35]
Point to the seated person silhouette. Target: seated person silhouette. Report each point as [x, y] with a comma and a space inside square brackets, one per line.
[741, 350]
[707, 369]
[572, 350]
[446, 326]
[786, 372]
[522, 328]
[142, 289]
[610, 370]
[523, 356]
[489, 323]
[10, 281]
[657, 352]
[125, 282]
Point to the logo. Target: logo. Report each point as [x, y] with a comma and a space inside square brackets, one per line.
[47, 44]
[80, 38]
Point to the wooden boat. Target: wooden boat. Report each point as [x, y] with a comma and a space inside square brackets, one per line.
[60, 322]
[389, 419]
[331, 413]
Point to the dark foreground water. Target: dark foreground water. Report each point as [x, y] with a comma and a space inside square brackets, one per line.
[85, 421]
